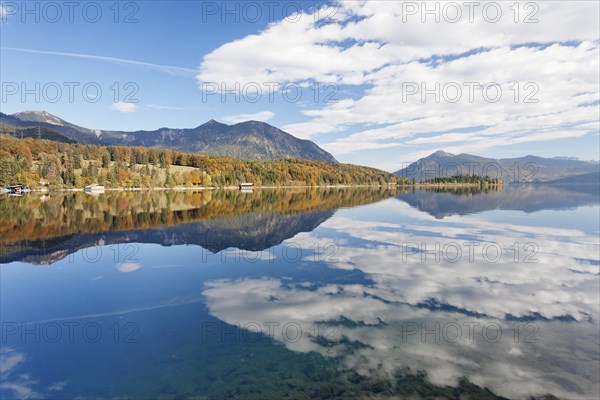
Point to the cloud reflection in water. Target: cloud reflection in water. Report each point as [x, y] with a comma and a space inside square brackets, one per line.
[546, 311]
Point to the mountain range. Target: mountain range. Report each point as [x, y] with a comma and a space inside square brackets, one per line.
[252, 140]
[522, 169]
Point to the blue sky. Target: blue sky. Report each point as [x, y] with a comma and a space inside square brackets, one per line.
[371, 64]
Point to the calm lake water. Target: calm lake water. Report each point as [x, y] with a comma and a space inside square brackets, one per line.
[301, 294]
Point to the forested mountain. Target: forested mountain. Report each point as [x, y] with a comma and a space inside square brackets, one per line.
[39, 133]
[252, 140]
[76, 165]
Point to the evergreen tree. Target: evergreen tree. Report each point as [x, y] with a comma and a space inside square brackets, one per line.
[68, 174]
[105, 159]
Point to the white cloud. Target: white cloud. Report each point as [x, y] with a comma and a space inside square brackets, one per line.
[57, 386]
[127, 267]
[21, 385]
[375, 51]
[9, 360]
[259, 116]
[399, 288]
[124, 107]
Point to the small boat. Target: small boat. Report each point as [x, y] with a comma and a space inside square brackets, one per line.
[246, 185]
[94, 188]
[18, 189]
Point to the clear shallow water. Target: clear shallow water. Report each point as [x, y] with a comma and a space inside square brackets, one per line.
[301, 294]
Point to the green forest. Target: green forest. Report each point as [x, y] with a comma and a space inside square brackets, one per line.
[34, 162]
[470, 180]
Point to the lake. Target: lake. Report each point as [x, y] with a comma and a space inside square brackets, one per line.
[301, 294]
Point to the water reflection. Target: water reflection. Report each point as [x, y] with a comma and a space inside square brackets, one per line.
[519, 328]
[407, 304]
[528, 198]
[44, 230]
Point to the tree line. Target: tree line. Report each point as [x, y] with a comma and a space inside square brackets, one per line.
[75, 213]
[69, 165]
[474, 180]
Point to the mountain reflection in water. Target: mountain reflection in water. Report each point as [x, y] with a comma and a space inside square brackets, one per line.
[41, 232]
[528, 198]
[449, 293]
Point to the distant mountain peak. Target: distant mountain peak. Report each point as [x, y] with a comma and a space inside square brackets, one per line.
[442, 153]
[39, 116]
[214, 123]
[37, 112]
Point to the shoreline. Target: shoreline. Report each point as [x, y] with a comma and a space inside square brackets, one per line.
[456, 185]
[201, 188]
[124, 189]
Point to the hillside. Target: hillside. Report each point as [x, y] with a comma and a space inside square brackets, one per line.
[76, 165]
[250, 140]
[36, 133]
[592, 179]
[521, 169]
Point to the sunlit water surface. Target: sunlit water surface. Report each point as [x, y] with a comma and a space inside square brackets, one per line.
[301, 294]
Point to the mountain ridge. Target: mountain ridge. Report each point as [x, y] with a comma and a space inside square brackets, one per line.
[528, 168]
[252, 140]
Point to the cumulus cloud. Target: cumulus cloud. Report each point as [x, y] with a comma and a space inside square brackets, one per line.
[9, 360]
[124, 107]
[545, 71]
[128, 267]
[259, 116]
[21, 385]
[398, 292]
[375, 341]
